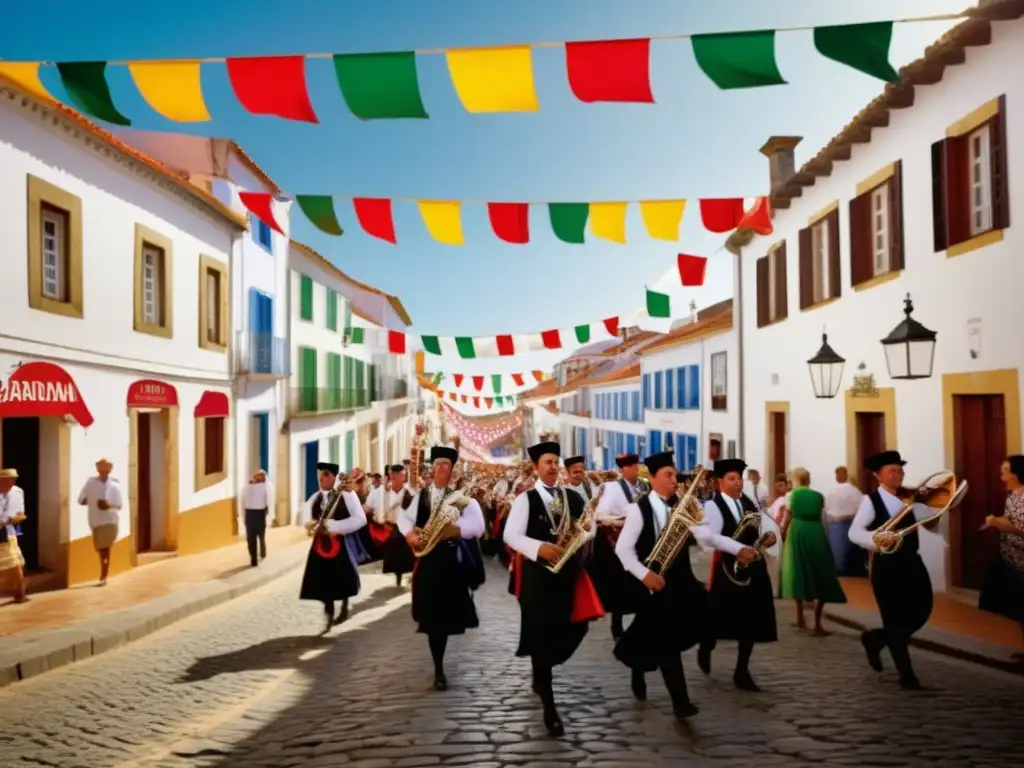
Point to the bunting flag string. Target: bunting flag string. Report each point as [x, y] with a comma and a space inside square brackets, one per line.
[478, 401]
[494, 383]
[510, 222]
[385, 85]
[481, 434]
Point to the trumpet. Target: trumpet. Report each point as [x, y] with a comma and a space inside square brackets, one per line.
[888, 537]
[684, 515]
[574, 534]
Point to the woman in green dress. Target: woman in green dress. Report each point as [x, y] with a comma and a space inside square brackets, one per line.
[808, 570]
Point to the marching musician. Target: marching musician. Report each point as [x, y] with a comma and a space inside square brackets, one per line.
[331, 571]
[900, 581]
[742, 607]
[547, 632]
[609, 576]
[442, 599]
[576, 477]
[384, 503]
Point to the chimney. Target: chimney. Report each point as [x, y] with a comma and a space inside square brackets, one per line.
[781, 163]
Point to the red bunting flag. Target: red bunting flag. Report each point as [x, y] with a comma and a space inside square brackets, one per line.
[458, 379]
[611, 325]
[453, 397]
[476, 402]
[691, 269]
[538, 375]
[610, 70]
[758, 218]
[374, 215]
[518, 379]
[465, 399]
[510, 221]
[396, 342]
[261, 205]
[478, 383]
[551, 339]
[489, 401]
[506, 347]
[721, 214]
[272, 85]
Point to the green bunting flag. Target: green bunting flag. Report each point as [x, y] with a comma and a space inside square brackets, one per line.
[86, 84]
[431, 344]
[496, 382]
[738, 59]
[582, 333]
[658, 304]
[464, 344]
[355, 335]
[569, 221]
[319, 209]
[864, 47]
[500, 400]
[380, 86]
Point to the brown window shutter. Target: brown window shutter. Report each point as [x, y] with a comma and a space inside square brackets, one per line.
[957, 186]
[762, 292]
[806, 269]
[835, 276]
[781, 292]
[1000, 174]
[896, 262]
[861, 252]
[940, 235]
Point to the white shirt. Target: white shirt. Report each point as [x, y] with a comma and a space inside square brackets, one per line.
[625, 547]
[842, 502]
[356, 516]
[12, 503]
[777, 506]
[861, 527]
[258, 496]
[519, 519]
[757, 494]
[614, 502]
[471, 524]
[384, 503]
[581, 489]
[713, 519]
[93, 491]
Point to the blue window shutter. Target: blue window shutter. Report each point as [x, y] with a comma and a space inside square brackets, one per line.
[659, 389]
[691, 451]
[647, 390]
[268, 314]
[693, 390]
[670, 399]
[681, 401]
[255, 307]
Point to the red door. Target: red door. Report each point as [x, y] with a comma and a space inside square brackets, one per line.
[143, 516]
[870, 440]
[778, 444]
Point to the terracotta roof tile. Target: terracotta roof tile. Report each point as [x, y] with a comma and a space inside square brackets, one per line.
[716, 323]
[622, 374]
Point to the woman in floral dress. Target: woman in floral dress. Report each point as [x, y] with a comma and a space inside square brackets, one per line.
[1003, 590]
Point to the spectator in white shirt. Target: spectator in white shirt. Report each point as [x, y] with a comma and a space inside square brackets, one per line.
[103, 496]
[12, 512]
[257, 498]
[841, 507]
[754, 490]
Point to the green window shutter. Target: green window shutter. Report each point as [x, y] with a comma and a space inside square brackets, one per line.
[307, 379]
[332, 310]
[371, 374]
[348, 384]
[350, 450]
[334, 449]
[306, 297]
[333, 394]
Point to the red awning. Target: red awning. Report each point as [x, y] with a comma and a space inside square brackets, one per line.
[212, 405]
[42, 389]
[150, 393]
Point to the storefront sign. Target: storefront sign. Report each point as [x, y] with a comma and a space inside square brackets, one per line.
[42, 389]
[149, 393]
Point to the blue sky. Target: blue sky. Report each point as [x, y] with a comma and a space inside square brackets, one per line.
[697, 141]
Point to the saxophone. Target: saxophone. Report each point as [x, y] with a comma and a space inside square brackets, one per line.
[683, 516]
[574, 534]
[447, 511]
[750, 521]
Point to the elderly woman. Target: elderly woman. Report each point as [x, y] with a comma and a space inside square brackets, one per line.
[1003, 590]
[808, 570]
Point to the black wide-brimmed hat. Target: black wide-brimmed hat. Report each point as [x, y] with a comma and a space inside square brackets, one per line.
[884, 459]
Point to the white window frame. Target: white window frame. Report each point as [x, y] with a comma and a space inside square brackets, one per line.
[880, 256]
[979, 158]
[820, 278]
[54, 249]
[152, 283]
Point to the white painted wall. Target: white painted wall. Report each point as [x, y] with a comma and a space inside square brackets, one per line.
[947, 292]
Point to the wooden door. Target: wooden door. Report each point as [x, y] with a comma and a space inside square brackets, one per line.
[778, 427]
[980, 438]
[870, 440]
[21, 452]
[144, 514]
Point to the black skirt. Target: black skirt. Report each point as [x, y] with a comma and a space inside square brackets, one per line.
[398, 557]
[742, 612]
[614, 585]
[442, 602]
[324, 579]
[1003, 591]
[666, 623]
[903, 591]
[546, 629]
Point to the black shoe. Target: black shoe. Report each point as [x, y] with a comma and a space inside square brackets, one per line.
[704, 660]
[440, 682]
[343, 613]
[553, 723]
[745, 682]
[874, 654]
[253, 564]
[911, 684]
[330, 623]
[685, 711]
[398, 580]
[639, 684]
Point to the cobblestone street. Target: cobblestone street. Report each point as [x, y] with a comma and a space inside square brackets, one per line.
[250, 685]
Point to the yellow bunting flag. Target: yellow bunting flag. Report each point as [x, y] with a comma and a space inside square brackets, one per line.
[608, 221]
[663, 217]
[494, 79]
[172, 88]
[443, 221]
[25, 74]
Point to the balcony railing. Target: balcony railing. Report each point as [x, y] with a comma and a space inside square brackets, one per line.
[306, 400]
[391, 388]
[260, 354]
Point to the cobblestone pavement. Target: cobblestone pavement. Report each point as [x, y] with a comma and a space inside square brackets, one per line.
[249, 685]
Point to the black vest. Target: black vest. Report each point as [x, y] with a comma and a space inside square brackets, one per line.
[627, 491]
[911, 542]
[729, 523]
[539, 524]
[423, 509]
[340, 510]
[646, 540]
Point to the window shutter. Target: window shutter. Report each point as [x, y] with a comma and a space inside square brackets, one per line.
[782, 284]
[956, 185]
[835, 267]
[896, 261]
[762, 292]
[939, 226]
[254, 310]
[861, 252]
[1000, 174]
[806, 269]
[306, 297]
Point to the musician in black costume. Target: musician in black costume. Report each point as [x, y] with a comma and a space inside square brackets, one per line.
[442, 581]
[610, 579]
[547, 632]
[386, 502]
[900, 581]
[331, 572]
[673, 605]
[742, 606]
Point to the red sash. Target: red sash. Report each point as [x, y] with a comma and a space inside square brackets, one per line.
[380, 532]
[516, 567]
[586, 605]
[328, 546]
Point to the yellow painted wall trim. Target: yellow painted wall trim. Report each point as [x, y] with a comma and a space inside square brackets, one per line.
[42, 193]
[969, 122]
[975, 243]
[208, 264]
[876, 179]
[822, 303]
[164, 327]
[885, 404]
[770, 407]
[84, 563]
[833, 206]
[165, 539]
[203, 480]
[207, 527]
[879, 280]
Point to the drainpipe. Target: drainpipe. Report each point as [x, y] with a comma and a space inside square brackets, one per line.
[737, 315]
[239, 241]
[703, 367]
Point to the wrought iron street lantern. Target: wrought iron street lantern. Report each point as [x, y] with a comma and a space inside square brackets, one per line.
[826, 369]
[909, 348]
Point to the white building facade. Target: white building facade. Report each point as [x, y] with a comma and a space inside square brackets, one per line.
[116, 341]
[922, 194]
[618, 419]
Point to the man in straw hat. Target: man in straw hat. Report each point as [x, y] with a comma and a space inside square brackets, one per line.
[103, 496]
[12, 512]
